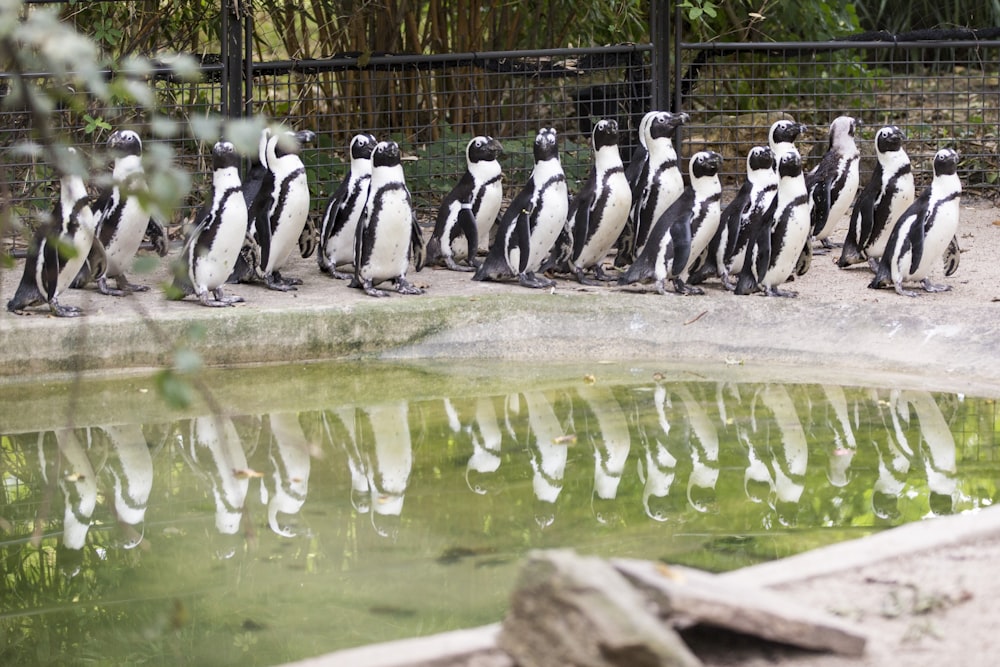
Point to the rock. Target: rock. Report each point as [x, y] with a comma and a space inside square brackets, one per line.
[568, 609]
[688, 596]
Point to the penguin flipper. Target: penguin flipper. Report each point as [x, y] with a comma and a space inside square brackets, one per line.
[915, 241]
[156, 232]
[853, 243]
[952, 257]
[467, 226]
[418, 254]
[522, 240]
[819, 211]
[308, 239]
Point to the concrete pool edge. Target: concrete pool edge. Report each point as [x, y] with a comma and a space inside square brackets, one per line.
[951, 348]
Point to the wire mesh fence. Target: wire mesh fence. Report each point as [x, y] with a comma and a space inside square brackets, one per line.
[940, 93]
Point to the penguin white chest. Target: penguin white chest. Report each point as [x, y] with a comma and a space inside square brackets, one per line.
[786, 251]
[489, 209]
[936, 239]
[287, 222]
[612, 220]
[552, 209]
[213, 268]
[391, 223]
[127, 237]
[81, 242]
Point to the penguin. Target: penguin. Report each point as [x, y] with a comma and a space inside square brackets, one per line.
[664, 181]
[889, 192]
[469, 211]
[277, 215]
[122, 219]
[703, 172]
[387, 236]
[599, 211]
[667, 251]
[784, 231]
[924, 231]
[529, 227]
[833, 183]
[344, 209]
[213, 244]
[726, 252]
[635, 173]
[58, 250]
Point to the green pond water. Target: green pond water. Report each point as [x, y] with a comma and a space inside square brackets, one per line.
[292, 511]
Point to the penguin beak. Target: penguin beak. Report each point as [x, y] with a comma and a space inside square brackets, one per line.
[305, 137]
[679, 119]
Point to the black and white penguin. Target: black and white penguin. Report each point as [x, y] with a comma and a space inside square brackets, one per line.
[889, 192]
[833, 183]
[58, 250]
[599, 211]
[740, 219]
[344, 209]
[469, 211]
[924, 231]
[778, 244]
[121, 217]
[278, 212]
[703, 172]
[635, 172]
[533, 220]
[667, 251]
[387, 235]
[664, 181]
[213, 244]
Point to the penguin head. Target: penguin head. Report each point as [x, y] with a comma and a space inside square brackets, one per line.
[483, 149]
[790, 165]
[362, 146]
[290, 143]
[842, 133]
[125, 142]
[760, 157]
[224, 155]
[783, 131]
[546, 144]
[888, 139]
[664, 124]
[386, 154]
[605, 133]
[945, 162]
[644, 126]
[704, 164]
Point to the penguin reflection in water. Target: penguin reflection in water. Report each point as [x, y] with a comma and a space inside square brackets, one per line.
[388, 235]
[58, 251]
[925, 232]
[212, 246]
[531, 224]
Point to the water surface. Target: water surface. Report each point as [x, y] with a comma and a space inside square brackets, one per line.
[293, 511]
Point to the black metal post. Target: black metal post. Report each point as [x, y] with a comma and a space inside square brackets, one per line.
[659, 29]
[232, 59]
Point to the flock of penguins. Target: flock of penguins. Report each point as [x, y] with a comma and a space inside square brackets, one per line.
[659, 226]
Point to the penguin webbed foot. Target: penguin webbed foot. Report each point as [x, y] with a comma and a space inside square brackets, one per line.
[275, 282]
[680, 287]
[934, 287]
[602, 276]
[404, 286]
[369, 287]
[218, 299]
[774, 291]
[287, 279]
[455, 266]
[60, 310]
[104, 288]
[529, 279]
[584, 280]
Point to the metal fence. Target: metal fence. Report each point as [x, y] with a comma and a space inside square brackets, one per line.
[940, 93]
